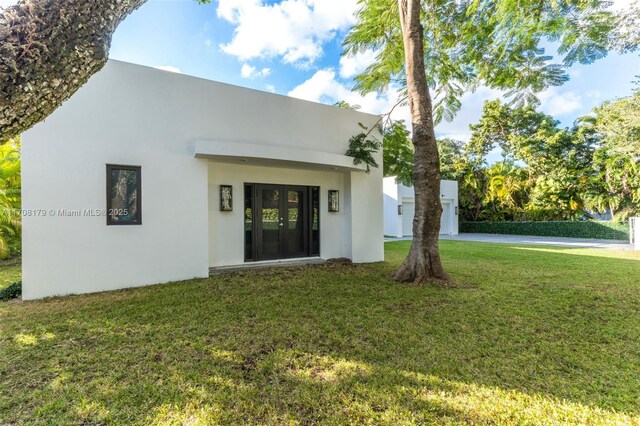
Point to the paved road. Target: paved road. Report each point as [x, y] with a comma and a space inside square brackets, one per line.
[528, 239]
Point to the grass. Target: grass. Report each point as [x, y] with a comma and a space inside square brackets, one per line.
[10, 271]
[533, 335]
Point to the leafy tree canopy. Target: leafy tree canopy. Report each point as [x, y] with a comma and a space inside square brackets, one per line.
[492, 42]
[547, 172]
[397, 153]
[527, 136]
[615, 127]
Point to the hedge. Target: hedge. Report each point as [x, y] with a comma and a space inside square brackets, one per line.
[12, 291]
[585, 229]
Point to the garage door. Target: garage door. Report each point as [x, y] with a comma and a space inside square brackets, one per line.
[408, 210]
[407, 218]
[445, 220]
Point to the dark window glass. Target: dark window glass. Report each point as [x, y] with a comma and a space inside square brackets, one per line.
[269, 213]
[124, 197]
[296, 227]
[248, 222]
[315, 221]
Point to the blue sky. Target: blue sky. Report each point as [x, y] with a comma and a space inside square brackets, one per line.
[292, 47]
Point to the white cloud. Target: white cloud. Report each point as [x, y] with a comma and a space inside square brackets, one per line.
[248, 71]
[292, 29]
[324, 87]
[355, 64]
[271, 88]
[557, 103]
[7, 3]
[169, 68]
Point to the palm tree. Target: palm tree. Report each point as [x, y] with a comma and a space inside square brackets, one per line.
[10, 199]
[506, 190]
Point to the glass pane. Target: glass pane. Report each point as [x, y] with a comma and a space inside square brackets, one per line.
[315, 220]
[294, 237]
[124, 196]
[270, 222]
[248, 222]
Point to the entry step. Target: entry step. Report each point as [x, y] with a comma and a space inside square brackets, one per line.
[266, 264]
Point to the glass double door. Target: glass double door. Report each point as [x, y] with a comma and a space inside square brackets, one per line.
[281, 221]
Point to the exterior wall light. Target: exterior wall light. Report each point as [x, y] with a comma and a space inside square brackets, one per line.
[226, 198]
[400, 209]
[334, 201]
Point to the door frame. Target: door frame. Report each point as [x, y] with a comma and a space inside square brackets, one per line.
[258, 235]
[308, 212]
[306, 237]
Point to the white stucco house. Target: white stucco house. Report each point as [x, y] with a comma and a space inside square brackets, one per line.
[399, 207]
[146, 176]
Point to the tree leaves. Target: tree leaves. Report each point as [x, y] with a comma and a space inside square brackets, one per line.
[362, 148]
[491, 42]
[397, 152]
[545, 173]
[615, 128]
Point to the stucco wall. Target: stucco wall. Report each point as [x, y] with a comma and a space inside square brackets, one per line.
[122, 116]
[392, 220]
[367, 241]
[128, 114]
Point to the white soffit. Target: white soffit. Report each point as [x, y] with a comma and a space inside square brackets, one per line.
[275, 156]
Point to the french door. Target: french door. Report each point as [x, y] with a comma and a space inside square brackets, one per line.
[284, 221]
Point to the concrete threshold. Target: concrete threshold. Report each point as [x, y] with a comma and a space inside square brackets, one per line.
[266, 264]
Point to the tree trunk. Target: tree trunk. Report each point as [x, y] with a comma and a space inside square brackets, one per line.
[48, 50]
[423, 262]
[613, 211]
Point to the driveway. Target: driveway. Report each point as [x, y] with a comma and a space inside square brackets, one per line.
[534, 240]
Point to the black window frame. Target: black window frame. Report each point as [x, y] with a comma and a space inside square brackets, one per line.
[249, 240]
[138, 171]
[314, 204]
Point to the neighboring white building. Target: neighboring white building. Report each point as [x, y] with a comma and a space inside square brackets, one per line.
[634, 232]
[160, 150]
[399, 207]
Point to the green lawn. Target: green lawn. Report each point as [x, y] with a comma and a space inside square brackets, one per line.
[531, 335]
[9, 271]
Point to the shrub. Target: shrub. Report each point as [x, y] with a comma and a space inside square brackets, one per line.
[13, 291]
[585, 229]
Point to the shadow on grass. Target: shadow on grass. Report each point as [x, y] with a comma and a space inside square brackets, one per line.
[543, 338]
